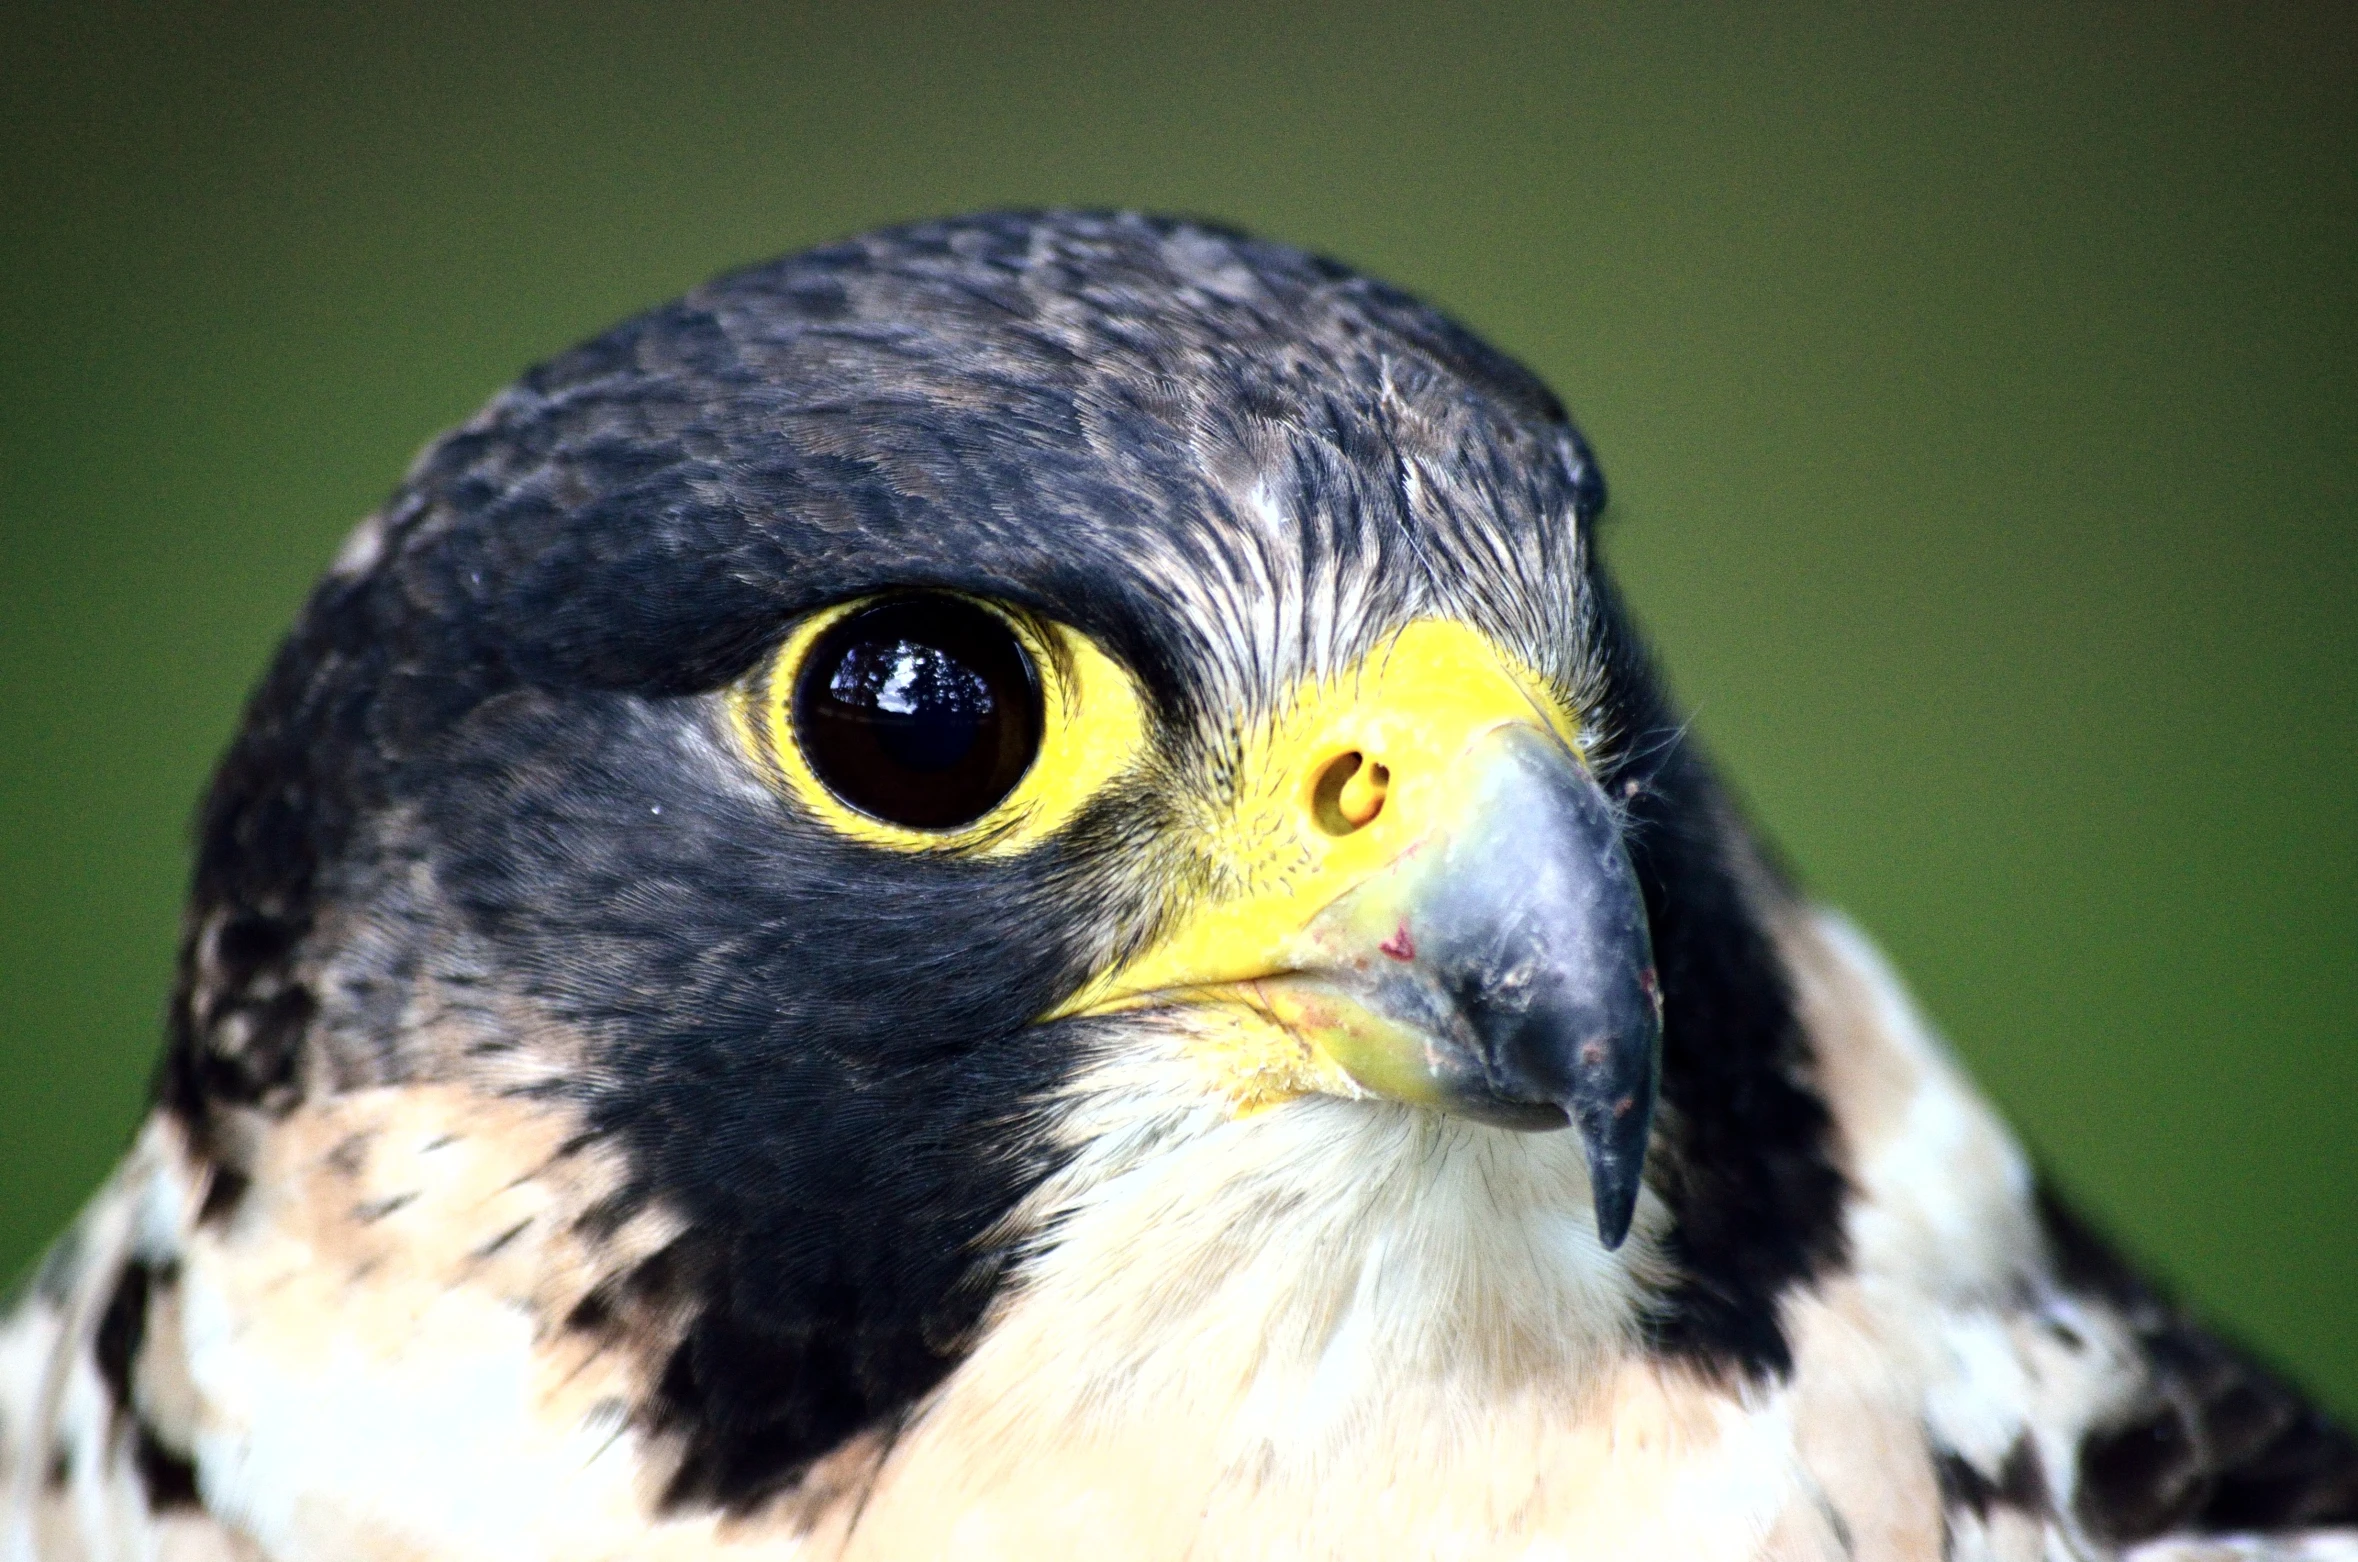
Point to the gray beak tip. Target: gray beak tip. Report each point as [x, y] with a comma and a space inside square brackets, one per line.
[1613, 1135]
[1616, 1208]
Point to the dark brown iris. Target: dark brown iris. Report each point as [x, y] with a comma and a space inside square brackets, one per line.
[921, 711]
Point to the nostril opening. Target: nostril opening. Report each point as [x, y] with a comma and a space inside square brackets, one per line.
[1349, 793]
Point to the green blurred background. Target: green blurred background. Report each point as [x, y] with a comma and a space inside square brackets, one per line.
[1977, 391]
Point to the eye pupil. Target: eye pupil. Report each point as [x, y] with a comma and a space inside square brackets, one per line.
[921, 710]
[926, 708]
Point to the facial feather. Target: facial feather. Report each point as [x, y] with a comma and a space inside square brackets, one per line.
[572, 1142]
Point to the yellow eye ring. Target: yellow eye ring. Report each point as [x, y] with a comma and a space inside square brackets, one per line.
[928, 721]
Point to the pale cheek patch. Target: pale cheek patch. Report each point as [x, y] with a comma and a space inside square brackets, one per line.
[378, 1347]
[1948, 1346]
[92, 1430]
[1944, 1191]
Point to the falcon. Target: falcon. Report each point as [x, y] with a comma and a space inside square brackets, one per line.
[1015, 890]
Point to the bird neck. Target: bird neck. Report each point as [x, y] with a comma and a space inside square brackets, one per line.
[1287, 1284]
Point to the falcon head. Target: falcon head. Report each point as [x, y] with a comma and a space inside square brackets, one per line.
[1060, 779]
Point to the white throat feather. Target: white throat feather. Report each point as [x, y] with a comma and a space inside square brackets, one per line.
[1292, 1284]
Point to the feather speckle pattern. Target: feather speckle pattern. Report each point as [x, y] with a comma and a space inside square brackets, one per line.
[570, 1145]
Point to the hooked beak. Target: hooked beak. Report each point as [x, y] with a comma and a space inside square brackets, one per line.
[1464, 933]
[1501, 970]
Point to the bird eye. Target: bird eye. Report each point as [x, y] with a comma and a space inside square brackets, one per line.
[922, 711]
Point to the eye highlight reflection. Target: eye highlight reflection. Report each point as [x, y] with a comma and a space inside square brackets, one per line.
[923, 711]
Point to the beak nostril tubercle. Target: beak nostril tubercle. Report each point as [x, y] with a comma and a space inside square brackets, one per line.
[1349, 793]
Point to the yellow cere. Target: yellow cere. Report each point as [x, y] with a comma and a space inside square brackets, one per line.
[1093, 728]
[1348, 777]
